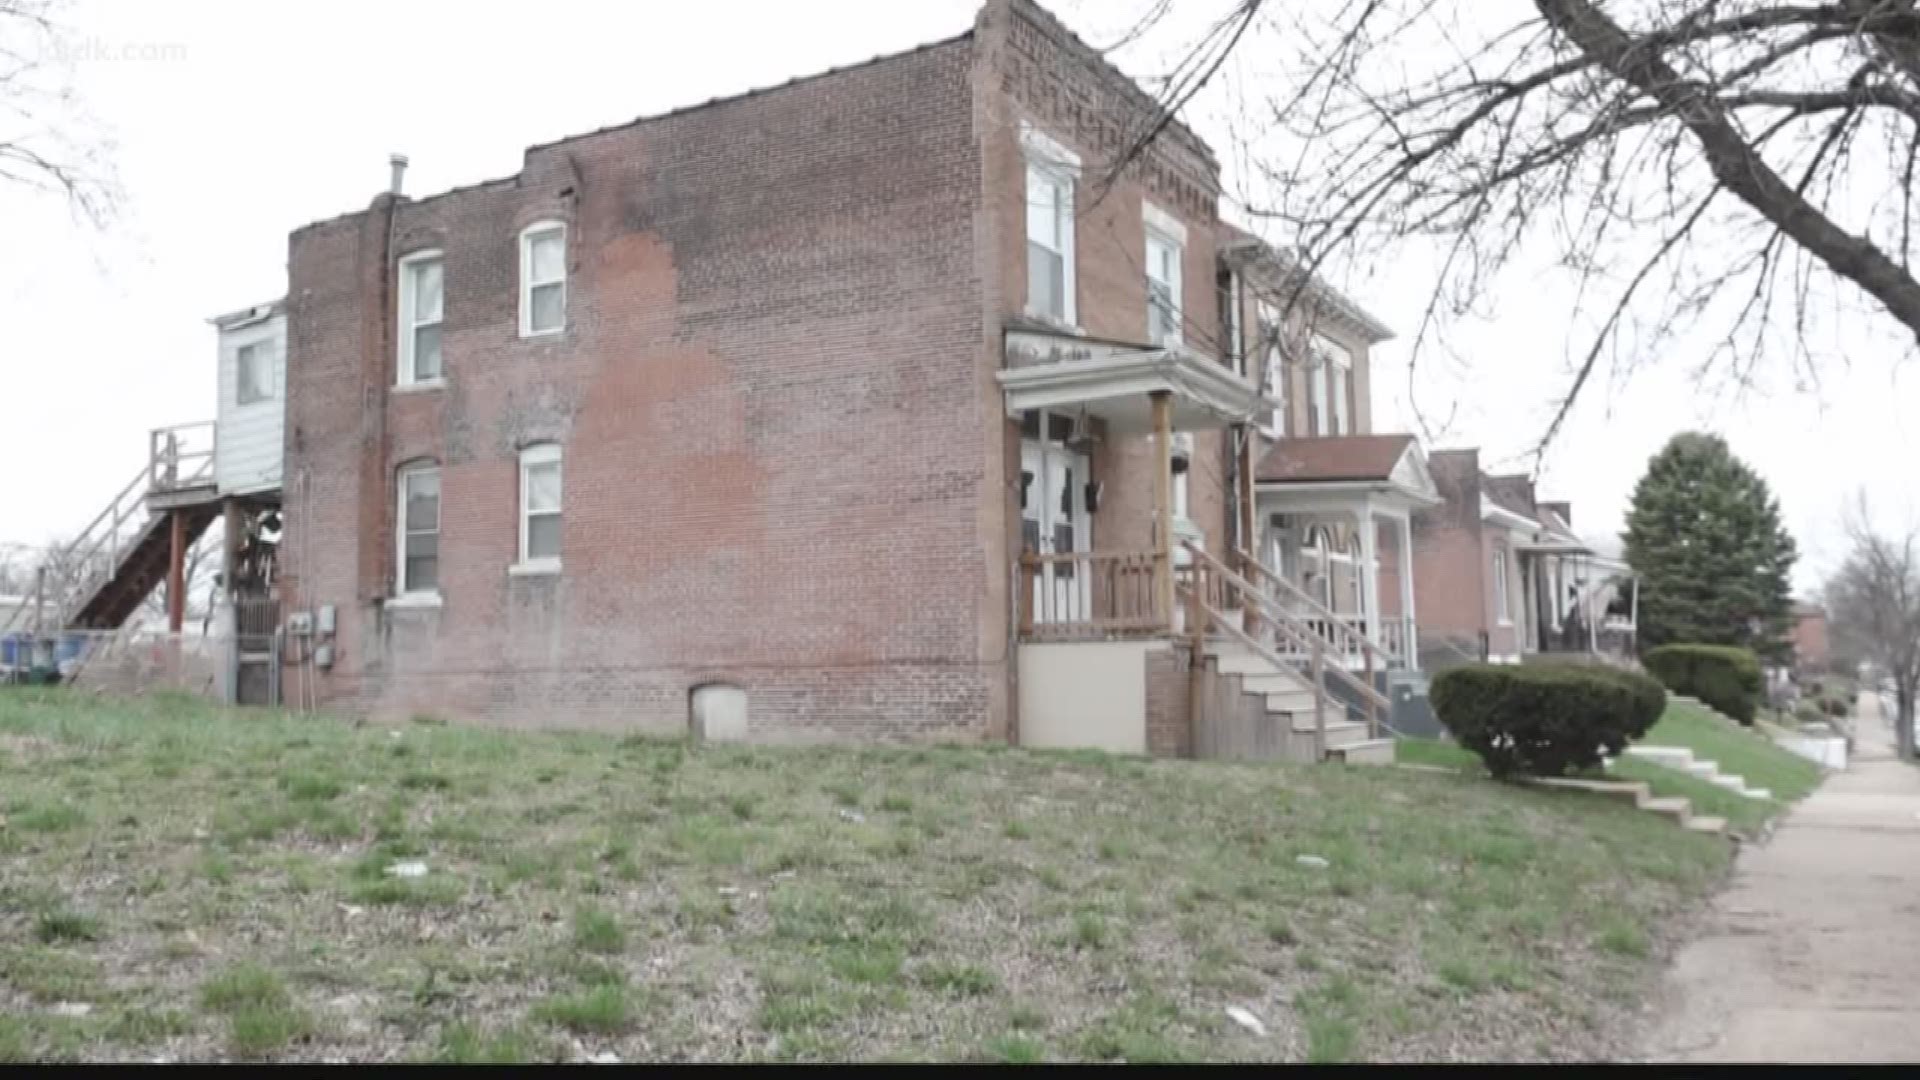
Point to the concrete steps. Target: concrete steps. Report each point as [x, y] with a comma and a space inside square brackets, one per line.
[1674, 808]
[1365, 752]
[1680, 758]
[1289, 699]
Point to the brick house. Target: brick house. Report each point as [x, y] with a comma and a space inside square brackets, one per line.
[864, 407]
[1811, 649]
[1501, 574]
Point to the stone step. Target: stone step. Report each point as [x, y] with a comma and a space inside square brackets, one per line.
[1711, 825]
[1339, 733]
[1731, 783]
[1705, 770]
[1243, 663]
[1757, 793]
[1676, 756]
[1271, 682]
[1291, 701]
[1368, 752]
[1679, 809]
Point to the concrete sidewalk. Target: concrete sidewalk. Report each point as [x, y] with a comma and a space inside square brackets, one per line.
[1813, 953]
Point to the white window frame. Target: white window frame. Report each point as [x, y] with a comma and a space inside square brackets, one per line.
[1275, 359]
[1235, 329]
[1165, 230]
[536, 231]
[269, 356]
[1501, 610]
[1054, 163]
[1331, 386]
[404, 367]
[403, 592]
[530, 458]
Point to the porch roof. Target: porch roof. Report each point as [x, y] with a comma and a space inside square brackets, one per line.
[1388, 465]
[1112, 380]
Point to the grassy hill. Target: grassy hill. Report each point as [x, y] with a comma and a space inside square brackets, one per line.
[184, 882]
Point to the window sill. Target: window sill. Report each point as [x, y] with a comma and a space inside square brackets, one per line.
[421, 387]
[536, 335]
[1052, 323]
[425, 600]
[535, 568]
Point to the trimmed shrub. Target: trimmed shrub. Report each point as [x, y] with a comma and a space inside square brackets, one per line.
[1545, 719]
[1724, 677]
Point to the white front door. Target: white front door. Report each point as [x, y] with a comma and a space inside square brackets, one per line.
[1054, 521]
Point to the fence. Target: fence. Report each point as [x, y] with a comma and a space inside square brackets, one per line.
[220, 667]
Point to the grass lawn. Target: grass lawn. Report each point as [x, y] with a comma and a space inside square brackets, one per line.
[1742, 753]
[183, 882]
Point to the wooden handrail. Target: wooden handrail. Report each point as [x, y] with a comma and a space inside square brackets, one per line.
[1345, 628]
[1283, 621]
[1108, 593]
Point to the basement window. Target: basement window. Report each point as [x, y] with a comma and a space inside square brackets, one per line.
[543, 279]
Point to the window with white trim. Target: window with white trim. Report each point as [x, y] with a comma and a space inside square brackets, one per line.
[422, 306]
[419, 531]
[543, 279]
[1332, 388]
[1500, 608]
[540, 498]
[253, 373]
[1230, 320]
[1276, 367]
[1163, 289]
[1050, 229]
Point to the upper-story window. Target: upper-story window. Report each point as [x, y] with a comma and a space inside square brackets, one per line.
[253, 379]
[1166, 243]
[1052, 171]
[419, 531]
[540, 496]
[422, 306]
[1275, 368]
[1329, 411]
[543, 279]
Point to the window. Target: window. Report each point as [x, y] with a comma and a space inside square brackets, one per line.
[1332, 388]
[1052, 171]
[1276, 367]
[253, 373]
[540, 506]
[543, 279]
[1180, 493]
[419, 529]
[1500, 608]
[1166, 242]
[1050, 245]
[422, 303]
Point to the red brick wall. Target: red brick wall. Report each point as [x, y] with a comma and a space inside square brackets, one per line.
[1810, 647]
[1169, 725]
[772, 406]
[1450, 558]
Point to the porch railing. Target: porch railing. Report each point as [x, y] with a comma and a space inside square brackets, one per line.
[181, 456]
[1079, 595]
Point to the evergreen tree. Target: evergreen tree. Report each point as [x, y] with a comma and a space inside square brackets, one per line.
[1704, 535]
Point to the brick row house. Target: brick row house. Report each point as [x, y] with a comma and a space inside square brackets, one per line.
[874, 406]
[1502, 575]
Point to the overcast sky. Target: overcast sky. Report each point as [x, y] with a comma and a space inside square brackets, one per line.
[235, 123]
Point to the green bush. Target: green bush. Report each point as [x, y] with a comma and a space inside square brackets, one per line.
[1545, 719]
[1724, 677]
[1807, 711]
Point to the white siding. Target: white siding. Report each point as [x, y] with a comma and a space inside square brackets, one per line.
[250, 446]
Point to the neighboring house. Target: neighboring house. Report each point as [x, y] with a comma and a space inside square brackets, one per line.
[863, 407]
[1810, 648]
[1500, 574]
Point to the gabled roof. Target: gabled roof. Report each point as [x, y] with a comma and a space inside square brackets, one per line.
[1333, 458]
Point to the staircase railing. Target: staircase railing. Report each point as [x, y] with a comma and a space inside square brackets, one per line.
[181, 456]
[1345, 639]
[1209, 578]
[73, 572]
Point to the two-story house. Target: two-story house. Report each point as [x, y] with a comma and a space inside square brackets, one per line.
[878, 405]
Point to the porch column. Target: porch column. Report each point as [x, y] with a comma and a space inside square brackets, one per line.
[1163, 502]
[1247, 536]
[1370, 572]
[1411, 622]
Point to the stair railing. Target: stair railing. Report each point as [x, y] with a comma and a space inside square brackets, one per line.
[1287, 626]
[1344, 638]
[76, 570]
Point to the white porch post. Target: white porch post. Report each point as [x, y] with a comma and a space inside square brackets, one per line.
[1369, 570]
[1408, 619]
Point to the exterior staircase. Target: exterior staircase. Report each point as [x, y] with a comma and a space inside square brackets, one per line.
[1680, 758]
[99, 580]
[1292, 658]
[1289, 702]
